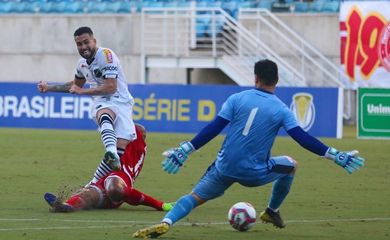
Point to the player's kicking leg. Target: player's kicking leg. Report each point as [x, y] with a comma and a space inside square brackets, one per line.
[105, 119]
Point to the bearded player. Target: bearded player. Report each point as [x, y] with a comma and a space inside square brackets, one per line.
[112, 101]
[114, 189]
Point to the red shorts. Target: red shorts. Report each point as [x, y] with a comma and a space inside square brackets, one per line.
[106, 203]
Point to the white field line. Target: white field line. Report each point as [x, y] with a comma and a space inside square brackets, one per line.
[140, 223]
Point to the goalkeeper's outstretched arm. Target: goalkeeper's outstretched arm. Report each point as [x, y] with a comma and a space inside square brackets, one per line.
[209, 132]
[350, 161]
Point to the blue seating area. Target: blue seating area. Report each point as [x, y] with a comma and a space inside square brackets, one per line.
[131, 6]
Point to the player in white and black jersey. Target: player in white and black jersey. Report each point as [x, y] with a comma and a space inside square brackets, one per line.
[112, 105]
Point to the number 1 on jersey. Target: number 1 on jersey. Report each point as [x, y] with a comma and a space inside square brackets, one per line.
[249, 122]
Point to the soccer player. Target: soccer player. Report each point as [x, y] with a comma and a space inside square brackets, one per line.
[112, 102]
[255, 117]
[113, 190]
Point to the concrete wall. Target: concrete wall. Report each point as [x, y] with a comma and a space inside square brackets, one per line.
[41, 47]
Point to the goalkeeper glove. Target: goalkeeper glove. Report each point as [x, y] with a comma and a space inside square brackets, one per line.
[175, 157]
[350, 161]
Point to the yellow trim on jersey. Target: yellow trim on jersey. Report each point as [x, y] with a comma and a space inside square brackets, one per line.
[108, 55]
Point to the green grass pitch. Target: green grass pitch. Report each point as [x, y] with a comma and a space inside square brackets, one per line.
[324, 203]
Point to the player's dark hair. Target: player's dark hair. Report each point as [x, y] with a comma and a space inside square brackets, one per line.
[267, 72]
[82, 30]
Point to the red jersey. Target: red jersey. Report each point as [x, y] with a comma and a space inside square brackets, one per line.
[132, 161]
[133, 158]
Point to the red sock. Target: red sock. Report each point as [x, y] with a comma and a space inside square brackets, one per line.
[76, 202]
[134, 197]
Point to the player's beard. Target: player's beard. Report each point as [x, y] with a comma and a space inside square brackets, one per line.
[88, 53]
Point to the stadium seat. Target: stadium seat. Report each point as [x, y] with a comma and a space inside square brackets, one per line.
[52, 6]
[201, 3]
[316, 6]
[301, 6]
[5, 7]
[127, 7]
[57, 6]
[214, 3]
[281, 6]
[331, 6]
[112, 6]
[27, 6]
[219, 23]
[267, 4]
[246, 3]
[95, 7]
[76, 6]
[170, 3]
[230, 6]
[153, 4]
[201, 26]
[16, 7]
[183, 3]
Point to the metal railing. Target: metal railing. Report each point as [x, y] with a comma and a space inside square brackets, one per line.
[210, 32]
[310, 62]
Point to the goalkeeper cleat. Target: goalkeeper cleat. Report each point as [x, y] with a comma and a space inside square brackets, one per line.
[269, 216]
[166, 207]
[56, 205]
[112, 160]
[152, 231]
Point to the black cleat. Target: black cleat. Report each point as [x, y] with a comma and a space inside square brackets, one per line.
[112, 160]
[269, 216]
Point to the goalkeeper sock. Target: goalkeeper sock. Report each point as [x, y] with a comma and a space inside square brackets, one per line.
[107, 132]
[134, 197]
[280, 189]
[181, 209]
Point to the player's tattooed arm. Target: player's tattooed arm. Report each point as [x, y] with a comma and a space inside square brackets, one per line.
[45, 87]
[60, 87]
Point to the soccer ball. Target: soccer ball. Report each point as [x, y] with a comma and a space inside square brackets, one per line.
[242, 216]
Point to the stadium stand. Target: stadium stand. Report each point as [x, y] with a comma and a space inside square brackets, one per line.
[130, 6]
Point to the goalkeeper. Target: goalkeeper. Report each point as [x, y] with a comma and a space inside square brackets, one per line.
[254, 117]
[112, 190]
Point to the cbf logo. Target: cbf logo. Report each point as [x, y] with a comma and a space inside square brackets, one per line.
[303, 108]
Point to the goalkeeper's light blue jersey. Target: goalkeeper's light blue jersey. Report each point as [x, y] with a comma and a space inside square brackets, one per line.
[255, 118]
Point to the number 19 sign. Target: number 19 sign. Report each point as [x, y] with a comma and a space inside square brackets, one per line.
[365, 42]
